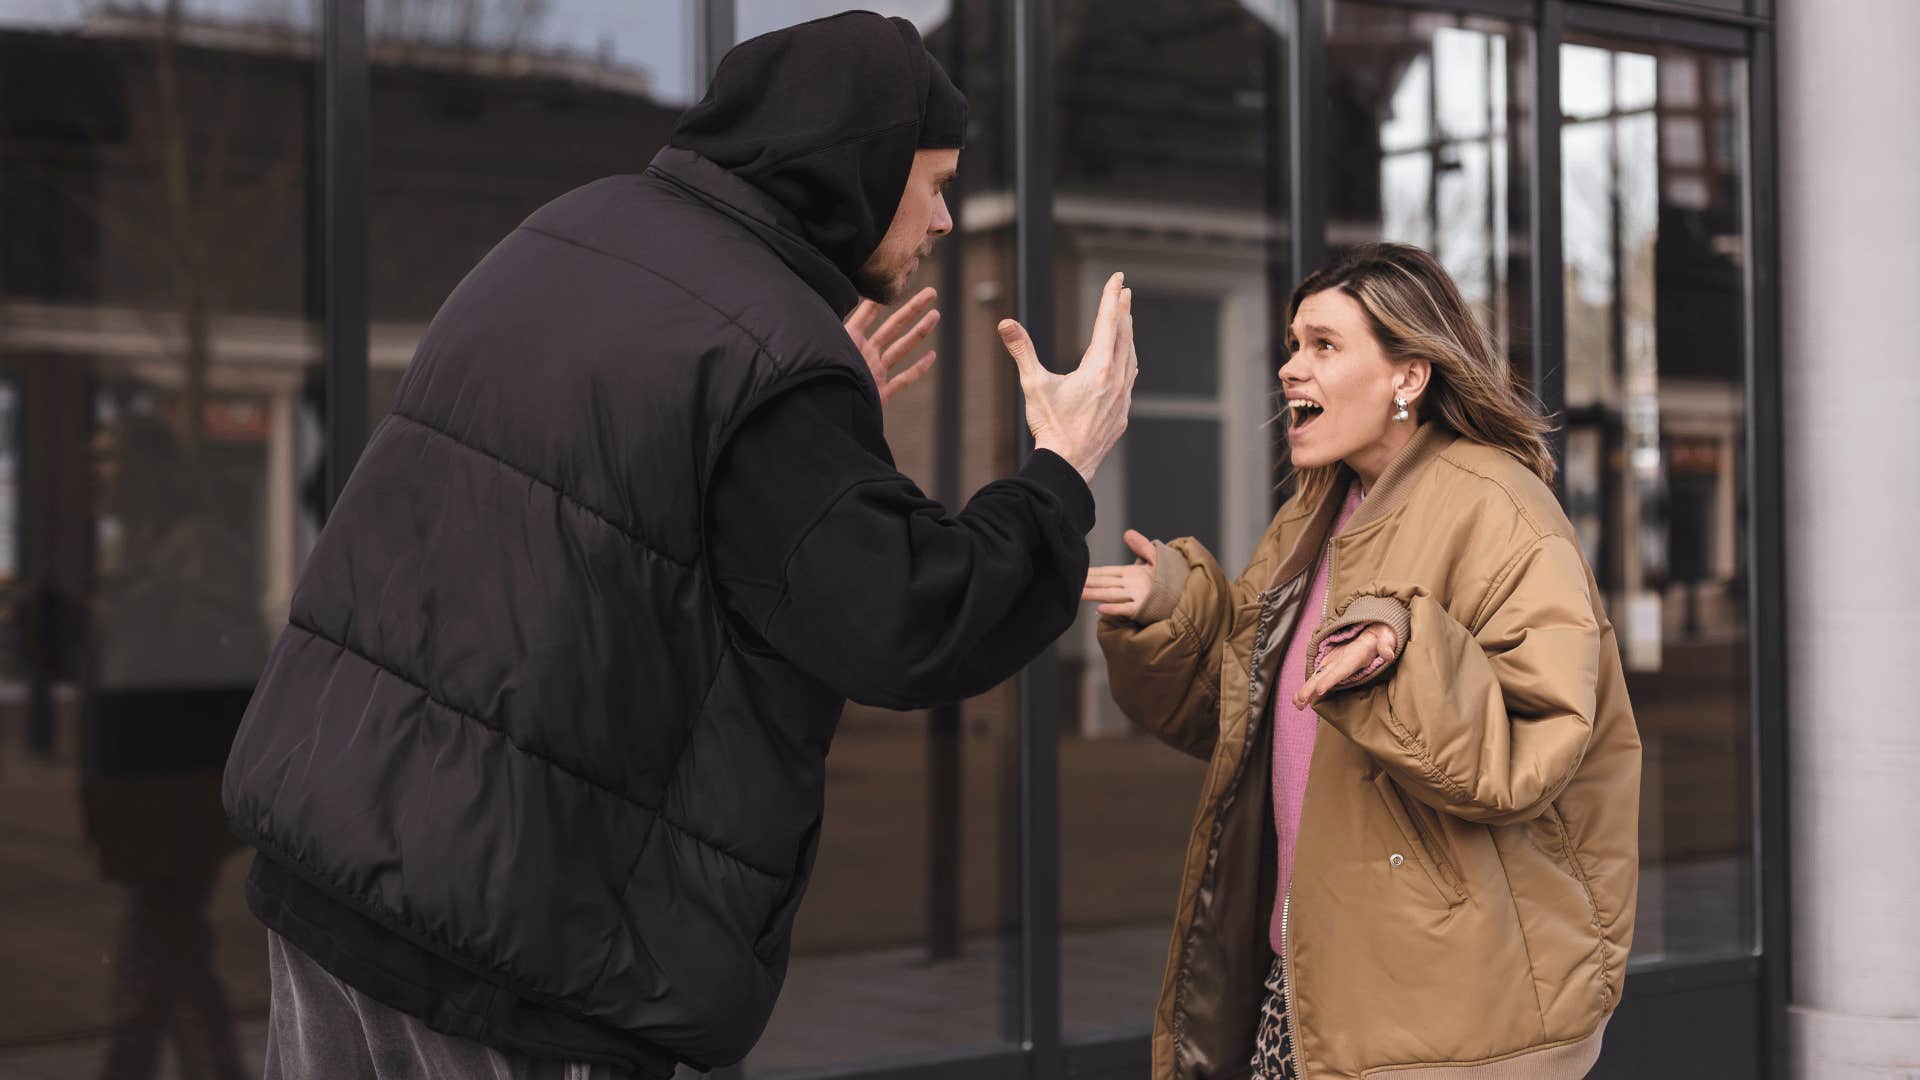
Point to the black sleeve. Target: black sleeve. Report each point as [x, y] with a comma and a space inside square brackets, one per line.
[825, 554]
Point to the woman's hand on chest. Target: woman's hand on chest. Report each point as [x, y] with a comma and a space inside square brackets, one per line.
[1369, 647]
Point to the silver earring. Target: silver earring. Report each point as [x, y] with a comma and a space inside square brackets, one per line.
[1401, 404]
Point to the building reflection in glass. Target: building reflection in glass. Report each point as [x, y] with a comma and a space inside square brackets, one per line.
[160, 435]
[1171, 165]
[1653, 179]
[155, 337]
[1429, 114]
[159, 341]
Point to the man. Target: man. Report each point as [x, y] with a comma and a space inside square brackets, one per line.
[535, 771]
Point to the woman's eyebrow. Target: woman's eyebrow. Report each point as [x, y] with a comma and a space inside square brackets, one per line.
[1315, 330]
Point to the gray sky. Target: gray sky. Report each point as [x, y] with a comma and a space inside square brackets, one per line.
[756, 17]
[651, 35]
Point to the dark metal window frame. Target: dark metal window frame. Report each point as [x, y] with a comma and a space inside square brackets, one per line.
[344, 90]
[1036, 1045]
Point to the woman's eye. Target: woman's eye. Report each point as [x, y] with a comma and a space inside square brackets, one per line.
[1326, 344]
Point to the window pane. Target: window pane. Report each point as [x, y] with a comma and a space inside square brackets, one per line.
[903, 945]
[156, 447]
[1656, 425]
[1182, 334]
[1429, 115]
[1173, 478]
[1170, 121]
[481, 113]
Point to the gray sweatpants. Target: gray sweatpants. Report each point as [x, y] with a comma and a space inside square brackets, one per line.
[322, 1029]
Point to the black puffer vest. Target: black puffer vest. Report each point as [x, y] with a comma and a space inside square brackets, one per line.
[507, 747]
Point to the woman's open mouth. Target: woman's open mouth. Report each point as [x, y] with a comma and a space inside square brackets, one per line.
[1301, 412]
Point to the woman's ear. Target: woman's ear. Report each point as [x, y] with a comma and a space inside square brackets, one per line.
[1412, 380]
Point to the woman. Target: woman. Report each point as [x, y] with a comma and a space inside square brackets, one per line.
[1415, 851]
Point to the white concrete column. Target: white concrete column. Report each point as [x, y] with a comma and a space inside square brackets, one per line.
[1850, 244]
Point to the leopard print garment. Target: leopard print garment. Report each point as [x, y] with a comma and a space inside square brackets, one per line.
[1273, 1042]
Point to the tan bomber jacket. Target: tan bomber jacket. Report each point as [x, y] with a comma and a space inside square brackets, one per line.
[1463, 891]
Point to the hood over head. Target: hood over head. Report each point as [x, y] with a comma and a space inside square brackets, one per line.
[824, 118]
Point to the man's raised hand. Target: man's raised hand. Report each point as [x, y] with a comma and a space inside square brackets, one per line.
[1082, 414]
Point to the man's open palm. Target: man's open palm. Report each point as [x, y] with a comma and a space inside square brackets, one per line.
[903, 332]
[1082, 414]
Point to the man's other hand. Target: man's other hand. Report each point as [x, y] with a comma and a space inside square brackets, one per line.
[903, 332]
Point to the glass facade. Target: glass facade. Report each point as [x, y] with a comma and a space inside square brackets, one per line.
[1168, 166]
[1429, 115]
[904, 947]
[163, 372]
[480, 113]
[159, 350]
[1653, 191]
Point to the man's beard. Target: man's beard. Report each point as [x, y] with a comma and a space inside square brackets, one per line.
[882, 285]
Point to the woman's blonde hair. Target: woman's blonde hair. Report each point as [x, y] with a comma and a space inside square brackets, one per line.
[1416, 312]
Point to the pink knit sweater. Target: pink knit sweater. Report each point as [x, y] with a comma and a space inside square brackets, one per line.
[1294, 729]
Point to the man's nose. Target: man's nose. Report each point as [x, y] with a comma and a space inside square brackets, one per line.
[942, 222]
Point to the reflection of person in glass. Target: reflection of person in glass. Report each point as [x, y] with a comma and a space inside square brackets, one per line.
[536, 769]
[177, 635]
[1416, 844]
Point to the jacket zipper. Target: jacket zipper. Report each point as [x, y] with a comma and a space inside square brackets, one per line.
[1286, 969]
[1262, 635]
[1286, 902]
[1326, 605]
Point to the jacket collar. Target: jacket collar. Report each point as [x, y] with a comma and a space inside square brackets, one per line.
[1388, 493]
[772, 223]
[1397, 481]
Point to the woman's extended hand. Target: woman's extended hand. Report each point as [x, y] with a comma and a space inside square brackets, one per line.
[1371, 647]
[1120, 590]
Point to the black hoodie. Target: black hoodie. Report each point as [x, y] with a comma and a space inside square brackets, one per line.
[540, 756]
[824, 118]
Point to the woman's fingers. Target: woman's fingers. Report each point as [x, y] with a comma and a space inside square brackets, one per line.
[1134, 581]
[1384, 642]
[1315, 689]
[1335, 668]
[1140, 546]
[1118, 590]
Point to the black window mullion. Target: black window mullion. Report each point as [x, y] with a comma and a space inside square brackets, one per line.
[1519, 11]
[1037, 1002]
[713, 28]
[343, 149]
[1662, 25]
[1548, 288]
[1311, 139]
[1765, 536]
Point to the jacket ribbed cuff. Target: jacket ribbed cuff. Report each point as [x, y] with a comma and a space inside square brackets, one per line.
[1065, 483]
[1170, 570]
[1364, 611]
